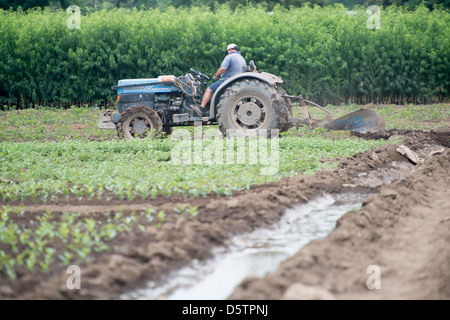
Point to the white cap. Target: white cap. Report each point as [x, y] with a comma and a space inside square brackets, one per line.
[232, 46]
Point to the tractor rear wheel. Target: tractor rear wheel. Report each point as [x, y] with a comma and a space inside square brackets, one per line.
[250, 107]
[139, 122]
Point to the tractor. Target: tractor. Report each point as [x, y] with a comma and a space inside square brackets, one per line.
[246, 104]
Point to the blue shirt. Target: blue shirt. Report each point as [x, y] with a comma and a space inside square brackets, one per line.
[234, 63]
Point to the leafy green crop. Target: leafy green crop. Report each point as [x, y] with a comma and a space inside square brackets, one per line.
[129, 169]
[79, 168]
[50, 124]
[33, 244]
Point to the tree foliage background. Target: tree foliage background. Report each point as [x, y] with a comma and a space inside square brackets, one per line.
[327, 54]
[164, 4]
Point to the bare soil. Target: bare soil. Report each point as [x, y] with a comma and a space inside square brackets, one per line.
[403, 229]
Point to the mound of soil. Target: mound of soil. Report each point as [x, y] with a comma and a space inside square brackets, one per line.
[402, 233]
[402, 229]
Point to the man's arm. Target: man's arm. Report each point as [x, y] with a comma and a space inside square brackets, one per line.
[219, 72]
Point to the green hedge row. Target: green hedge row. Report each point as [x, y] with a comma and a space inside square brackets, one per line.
[326, 54]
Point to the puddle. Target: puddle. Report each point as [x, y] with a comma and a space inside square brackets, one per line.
[252, 254]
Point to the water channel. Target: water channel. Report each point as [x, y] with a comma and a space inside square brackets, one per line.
[252, 254]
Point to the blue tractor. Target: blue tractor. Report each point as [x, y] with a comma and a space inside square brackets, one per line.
[246, 104]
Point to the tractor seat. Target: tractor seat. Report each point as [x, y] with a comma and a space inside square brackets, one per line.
[250, 68]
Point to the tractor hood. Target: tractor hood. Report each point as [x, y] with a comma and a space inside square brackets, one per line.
[159, 84]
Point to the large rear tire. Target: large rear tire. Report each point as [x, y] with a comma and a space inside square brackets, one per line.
[139, 122]
[250, 107]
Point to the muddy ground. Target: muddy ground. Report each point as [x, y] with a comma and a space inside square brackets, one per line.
[400, 236]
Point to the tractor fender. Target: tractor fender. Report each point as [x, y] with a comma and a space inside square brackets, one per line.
[266, 77]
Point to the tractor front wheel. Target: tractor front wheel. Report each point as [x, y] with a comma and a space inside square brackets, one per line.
[139, 122]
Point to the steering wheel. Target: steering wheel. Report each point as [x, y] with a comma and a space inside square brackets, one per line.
[200, 74]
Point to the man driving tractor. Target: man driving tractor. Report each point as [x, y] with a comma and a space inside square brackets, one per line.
[232, 64]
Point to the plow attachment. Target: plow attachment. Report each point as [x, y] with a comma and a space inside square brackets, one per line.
[362, 120]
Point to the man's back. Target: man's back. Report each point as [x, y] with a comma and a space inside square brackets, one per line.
[234, 63]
